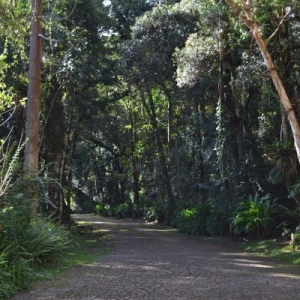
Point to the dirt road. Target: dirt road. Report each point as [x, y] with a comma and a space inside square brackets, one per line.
[152, 264]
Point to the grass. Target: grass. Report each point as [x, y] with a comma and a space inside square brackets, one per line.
[85, 248]
[87, 245]
[276, 248]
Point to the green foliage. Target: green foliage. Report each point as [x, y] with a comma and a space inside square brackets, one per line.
[38, 243]
[83, 240]
[290, 220]
[129, 210]
[15, 271]
[197, 60]
[295, 190]
[25, 244]
[217, 221]
[14, 217]
[44, 241]
[286, 165]
[275, 248]
[149, 211]
[193, 220]
[151, 214]
[123, 210]
[253, 216]
[100, 63]
[102, 210]
[9, 165]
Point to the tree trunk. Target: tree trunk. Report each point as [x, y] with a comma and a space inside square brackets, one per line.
[134, 160]
[33, 101]
[245, 13]
[162, 157]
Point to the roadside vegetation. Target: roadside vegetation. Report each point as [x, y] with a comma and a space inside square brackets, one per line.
[256, 225]
[161, 110]
[41, 250]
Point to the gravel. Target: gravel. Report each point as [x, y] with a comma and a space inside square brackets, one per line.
[150, 263]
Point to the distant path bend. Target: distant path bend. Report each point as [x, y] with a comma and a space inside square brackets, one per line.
[152, 264]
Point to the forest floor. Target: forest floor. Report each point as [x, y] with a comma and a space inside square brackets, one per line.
[150, 262]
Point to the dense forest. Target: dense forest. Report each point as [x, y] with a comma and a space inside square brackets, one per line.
[184, 112]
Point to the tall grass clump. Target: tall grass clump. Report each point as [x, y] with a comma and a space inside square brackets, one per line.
[25, 244]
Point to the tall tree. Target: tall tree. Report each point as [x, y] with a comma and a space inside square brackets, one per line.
[33, 102]
[245, 12]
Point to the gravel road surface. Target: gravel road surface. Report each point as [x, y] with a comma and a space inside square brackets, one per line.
[152, 264]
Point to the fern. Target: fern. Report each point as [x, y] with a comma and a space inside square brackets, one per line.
[10, 164]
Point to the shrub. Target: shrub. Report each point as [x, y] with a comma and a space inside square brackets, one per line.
[123, 210]
[151, 214]
[146, 210]
[15, 273]
[217, 222]
[137, 211]
[193, 220]
[25, 244]
[102, 210]
[290, 220]
[253, 216]
[14, 219]
[40, 243]
[44, 241]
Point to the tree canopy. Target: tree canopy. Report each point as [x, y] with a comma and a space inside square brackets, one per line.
[157, 105]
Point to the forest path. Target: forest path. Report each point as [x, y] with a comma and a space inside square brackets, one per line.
[152, 264]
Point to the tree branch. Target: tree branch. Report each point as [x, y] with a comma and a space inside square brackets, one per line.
[276, 30]
[234, 7]
[102, 145]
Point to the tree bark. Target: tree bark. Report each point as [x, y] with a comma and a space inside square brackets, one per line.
[245, 13]
[134, 160]
[33, 101]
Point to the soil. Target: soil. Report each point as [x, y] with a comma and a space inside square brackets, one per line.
[150, 263]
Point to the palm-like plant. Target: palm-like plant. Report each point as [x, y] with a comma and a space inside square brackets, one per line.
[284, 158]
[286, 167]
[253, 216]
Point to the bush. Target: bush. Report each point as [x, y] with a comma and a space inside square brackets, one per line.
[193, 220]
[217, 222]
[15, 271]
[102, 210]
[290, 220]
[123, 210]
[148, 211]
[253, 216]
[44, 241]
[40, 243]
[150, 214]
[25, 244]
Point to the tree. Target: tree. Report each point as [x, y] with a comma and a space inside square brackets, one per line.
[245, 12]
[31, 164]
[117, 124]
[148, 63]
